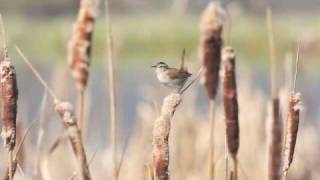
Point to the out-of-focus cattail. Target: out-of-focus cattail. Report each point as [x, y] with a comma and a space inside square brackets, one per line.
[80, 44]
[275, 124]
[211, 26]
[294, 108]
[66, 113]
[9, 97]
[80, 50]
[161, 131]
[230, 103]
[13, 170]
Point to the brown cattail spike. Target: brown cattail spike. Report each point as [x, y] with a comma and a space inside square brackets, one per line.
[9, 97]
[275, 142]
[66, 113]
[230, 100]
[211, 26]
[292, 129]
[80, 44]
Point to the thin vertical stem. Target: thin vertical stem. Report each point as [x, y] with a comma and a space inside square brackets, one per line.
[226, 157]
[81, 112]
[296, 68]
[212, 113]
[10, 164]
[112, 95]
[235, 168]
[272, 52]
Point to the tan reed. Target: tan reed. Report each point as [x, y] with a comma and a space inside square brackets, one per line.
[79, 50]
[13, 170]
[112, 94]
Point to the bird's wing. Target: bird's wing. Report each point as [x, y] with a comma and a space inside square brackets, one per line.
[178, 74]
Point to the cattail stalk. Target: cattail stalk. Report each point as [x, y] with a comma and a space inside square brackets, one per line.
[211, 26]
[37, 170]
[112, 93]
[230, 103]
[66, 113]
[80, 50]
[275, 131]
[13, 169]
[161, 132]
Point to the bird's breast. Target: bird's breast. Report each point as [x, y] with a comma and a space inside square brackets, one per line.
[163, 77]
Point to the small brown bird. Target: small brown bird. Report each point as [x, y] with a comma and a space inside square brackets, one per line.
[171, 77]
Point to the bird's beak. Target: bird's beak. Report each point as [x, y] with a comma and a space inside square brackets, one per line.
[153, 66]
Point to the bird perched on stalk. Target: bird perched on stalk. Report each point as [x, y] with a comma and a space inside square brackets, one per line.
[172, 77]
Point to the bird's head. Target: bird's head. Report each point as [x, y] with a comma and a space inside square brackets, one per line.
[160, 66]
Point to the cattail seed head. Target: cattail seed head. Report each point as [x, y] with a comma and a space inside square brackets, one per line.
[66, 113]
[211, 26]
[80, 44]
[161, 131]
[9, 97]
[294, 109]
[230, 101]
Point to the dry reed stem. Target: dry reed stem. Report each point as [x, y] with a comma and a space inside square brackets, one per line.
[66, 113]
[161, 132]
[148, 172]
[37, 170]
[3, 48]
[211, 26]
[13, 170]
[230, 103]
[211, 161]
[16, 160]
[20, 155]
[294, 108]
[112, 93]
[272, 52]
[80, 43]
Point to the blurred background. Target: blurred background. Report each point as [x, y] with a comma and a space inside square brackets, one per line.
[147, 31]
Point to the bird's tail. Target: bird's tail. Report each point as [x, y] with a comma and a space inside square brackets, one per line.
[182, 59]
